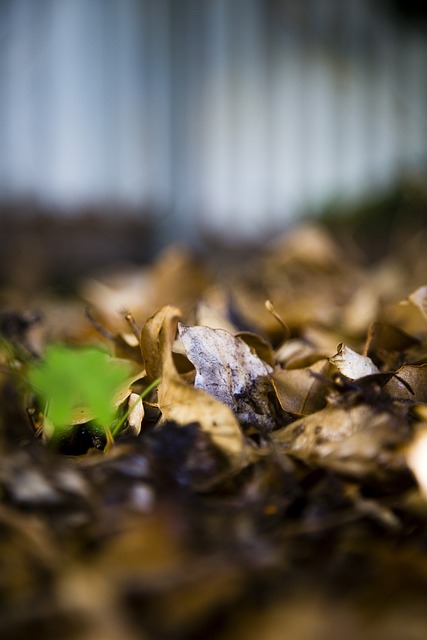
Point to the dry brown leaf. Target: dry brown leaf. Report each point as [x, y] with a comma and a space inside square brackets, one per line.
[259, 345]
[209, 315]
[179, 401]
[351, 364]
[136, 414]
[126, 345]
[228, 370]
[179, 278]
[362, 308]
[176, 277]
[385, 342]
[308, 244]
[408, 313]
[323, 340]
[299, 391]
[357, 441]
[419, 300]
[114, 294]
[297, 353]
[156, 341]
[415, 388]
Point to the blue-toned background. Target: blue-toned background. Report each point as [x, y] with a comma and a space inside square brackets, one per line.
[226, 115]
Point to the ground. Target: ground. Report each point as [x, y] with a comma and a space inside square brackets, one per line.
[269, 485]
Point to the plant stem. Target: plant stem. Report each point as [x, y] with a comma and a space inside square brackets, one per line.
[110, 439]
[141, 396]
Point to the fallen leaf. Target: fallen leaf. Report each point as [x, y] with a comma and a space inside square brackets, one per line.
[228, 370]
[419, 300]
[308, 244]
[297, 353]
[385, 343]
[362, 308]
[410, 312]
[177, 400]
[351, 364]
[414, 385]
[299, 391]
[209, 315]
[259, 345]
[358, 441]
[136, 414]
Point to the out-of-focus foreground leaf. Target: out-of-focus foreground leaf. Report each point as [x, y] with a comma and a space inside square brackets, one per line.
[68, 378]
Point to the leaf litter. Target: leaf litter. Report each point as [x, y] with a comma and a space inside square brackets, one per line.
[238, 454]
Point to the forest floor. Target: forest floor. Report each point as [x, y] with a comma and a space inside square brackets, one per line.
[270, 483]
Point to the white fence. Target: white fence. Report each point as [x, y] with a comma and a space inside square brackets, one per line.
[233, 115]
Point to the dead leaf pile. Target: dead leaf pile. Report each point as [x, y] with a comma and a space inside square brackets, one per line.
[272, 484]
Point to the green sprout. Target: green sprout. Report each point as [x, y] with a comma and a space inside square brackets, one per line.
[71, 378]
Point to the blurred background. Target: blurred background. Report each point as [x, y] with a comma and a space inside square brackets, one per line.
[127, 124]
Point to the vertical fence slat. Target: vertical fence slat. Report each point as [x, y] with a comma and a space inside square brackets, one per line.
[230, 115]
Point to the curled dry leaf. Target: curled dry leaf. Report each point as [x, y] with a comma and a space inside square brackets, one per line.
[113, 294]
[409, 383]
[358, 441]
[308, 244]
[299, 391]
[386, 342]
[209, 315]
[323, 340]
[351, 364]
[228, 370]
[259, 345]
[136, 414]
[410, 311]
[362, 308]
[419, 300]
[178, 400]
[297, 353]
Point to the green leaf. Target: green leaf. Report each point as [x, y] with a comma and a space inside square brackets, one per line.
[71, 377]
